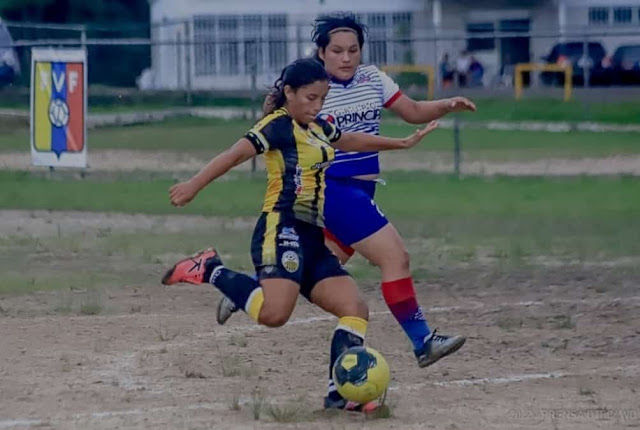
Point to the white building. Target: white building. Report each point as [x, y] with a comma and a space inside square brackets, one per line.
[215, 44]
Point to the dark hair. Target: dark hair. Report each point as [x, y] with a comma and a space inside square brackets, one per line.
[301, 72]
[325, 24]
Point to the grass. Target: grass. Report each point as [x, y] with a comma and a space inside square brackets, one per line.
[206, 138]
[91, 309]
[288, 412]
[257, 403]
[504, 222]
[507, 109]
[544, 109]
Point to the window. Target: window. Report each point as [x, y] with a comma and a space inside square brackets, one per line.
[389, 38]
[204, 35]
[228, 36]
[252, 41]
[277, 30]
[622, 15]
[233, 44]
[402, 52]
[599, 15]
[377, 24]
[480, 43]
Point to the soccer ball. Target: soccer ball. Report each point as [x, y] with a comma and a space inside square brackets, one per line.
[58, 112]
[361, 374]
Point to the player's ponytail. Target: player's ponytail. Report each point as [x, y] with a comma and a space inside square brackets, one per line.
[301, 72]
[325, 25]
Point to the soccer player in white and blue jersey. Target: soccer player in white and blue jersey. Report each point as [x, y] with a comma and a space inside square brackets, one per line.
[353, 221]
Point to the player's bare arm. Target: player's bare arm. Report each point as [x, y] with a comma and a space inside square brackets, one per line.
[421, 112]
[182, 193]
[363, 142]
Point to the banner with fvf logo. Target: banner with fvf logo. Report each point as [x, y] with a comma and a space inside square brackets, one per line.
[58, 107]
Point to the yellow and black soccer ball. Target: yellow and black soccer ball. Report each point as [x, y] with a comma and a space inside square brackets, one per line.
[361, 374]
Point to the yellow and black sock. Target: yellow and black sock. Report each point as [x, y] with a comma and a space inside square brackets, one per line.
[349, 332]
[243, 290]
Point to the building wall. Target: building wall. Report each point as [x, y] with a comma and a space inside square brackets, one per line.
[172, 71]
[179, 18]
[618, 32]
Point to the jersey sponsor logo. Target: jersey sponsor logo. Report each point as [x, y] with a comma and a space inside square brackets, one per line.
[290, 261]
[357, 113]
[289, 244]
[322, 165]
[327, 117]
[289, 233]
[297, 179]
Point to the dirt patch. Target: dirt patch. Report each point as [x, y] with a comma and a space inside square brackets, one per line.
[40, 223]
[556, 348]
[127, 161]
[533, 359]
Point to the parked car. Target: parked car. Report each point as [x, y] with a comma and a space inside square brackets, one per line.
[625, 65]
[573, 53]
[9, 64]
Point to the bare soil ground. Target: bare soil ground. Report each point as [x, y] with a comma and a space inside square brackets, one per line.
[556, 350]
[126, 161]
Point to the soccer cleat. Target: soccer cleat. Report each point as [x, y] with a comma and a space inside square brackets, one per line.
[226, 308]
[436, 347]
[192, 269]
[350, 406]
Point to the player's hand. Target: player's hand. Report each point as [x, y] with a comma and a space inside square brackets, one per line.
[460, 104]
[419, 134]
[182, 193]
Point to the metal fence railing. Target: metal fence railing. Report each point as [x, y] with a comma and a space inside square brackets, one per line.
[229, 52]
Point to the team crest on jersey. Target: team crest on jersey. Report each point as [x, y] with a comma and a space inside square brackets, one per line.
[290, 261]
[361, 79]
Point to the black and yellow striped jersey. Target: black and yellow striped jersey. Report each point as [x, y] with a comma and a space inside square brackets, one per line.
[296, 157]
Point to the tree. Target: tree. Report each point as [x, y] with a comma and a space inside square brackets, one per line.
[118, 65]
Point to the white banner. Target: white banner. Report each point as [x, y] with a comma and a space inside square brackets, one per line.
[59, 107]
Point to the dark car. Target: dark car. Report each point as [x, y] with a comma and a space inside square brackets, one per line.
[625, 65]
[9, 65]
[573, 52]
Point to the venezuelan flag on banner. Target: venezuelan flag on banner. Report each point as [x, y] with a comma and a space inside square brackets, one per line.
[58, 107]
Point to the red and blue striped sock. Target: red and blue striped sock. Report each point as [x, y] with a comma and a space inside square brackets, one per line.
[400, 296]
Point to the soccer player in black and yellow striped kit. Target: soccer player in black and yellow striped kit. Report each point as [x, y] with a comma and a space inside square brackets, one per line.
[287, 248]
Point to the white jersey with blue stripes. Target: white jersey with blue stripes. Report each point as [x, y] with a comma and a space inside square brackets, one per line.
[355, 106]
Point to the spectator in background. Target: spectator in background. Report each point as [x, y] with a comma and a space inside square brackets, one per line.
[476, 73]
[462, 68]
[446, 71]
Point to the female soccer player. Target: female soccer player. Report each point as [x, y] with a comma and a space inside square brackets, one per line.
[287, 248]
[357, 95]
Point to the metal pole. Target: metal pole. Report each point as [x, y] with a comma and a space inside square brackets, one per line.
[586, 61]
[83, 37]
[254, 94]
[299, 40]
[187, 57]
[456, 145]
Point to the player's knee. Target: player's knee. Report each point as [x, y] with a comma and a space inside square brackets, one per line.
[273, 318]
[397, 260]
[403, 259]
[362, 309]
[356, 308]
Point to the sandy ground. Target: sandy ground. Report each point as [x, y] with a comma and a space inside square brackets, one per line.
[558, 351]
[127, 161]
